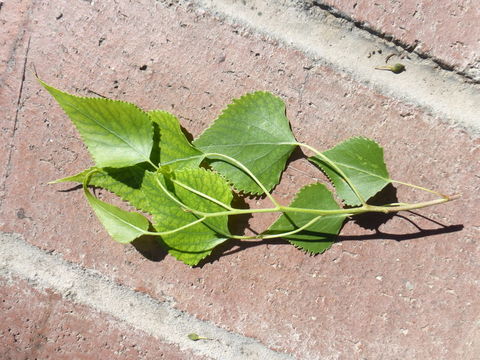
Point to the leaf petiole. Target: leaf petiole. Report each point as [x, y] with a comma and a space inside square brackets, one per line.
[420, 188]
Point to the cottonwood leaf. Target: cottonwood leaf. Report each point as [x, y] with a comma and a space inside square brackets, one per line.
[255, 131]
[194, 243]
[172, 147]
[123, 226]
[116, 133]
[319, 236]
[126, 182]
[362, 162]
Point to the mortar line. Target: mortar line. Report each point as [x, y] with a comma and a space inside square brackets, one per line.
[19, 259]
[410, 48]
[344, 47]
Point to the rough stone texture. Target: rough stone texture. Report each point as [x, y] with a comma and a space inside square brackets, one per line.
[444, 31]
[405, 290]
[42, 325]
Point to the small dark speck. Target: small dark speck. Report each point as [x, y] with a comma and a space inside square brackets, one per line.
[58, 17]
[143, 67]
[259, 13]
[100, 41]
[21, 214]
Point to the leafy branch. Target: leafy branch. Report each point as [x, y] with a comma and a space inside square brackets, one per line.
[187, 188]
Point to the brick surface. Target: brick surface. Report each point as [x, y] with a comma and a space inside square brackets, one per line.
[13, 48]
[369, 296]
[43, 325]
[447, 32]
[13, 18]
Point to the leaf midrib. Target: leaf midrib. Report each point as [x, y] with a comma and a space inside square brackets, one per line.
[108, 130]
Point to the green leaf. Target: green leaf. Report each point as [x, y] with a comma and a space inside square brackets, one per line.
[78, 178]
[116, 133]
[319, 236]
[125, 182]
[194, 243]
[196, 337]
[173, 147]
[362, 162]
[123, 226]
[255, 131]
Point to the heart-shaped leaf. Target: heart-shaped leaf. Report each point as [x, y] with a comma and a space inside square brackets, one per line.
[255, 131]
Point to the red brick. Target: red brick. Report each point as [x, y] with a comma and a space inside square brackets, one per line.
[369, 296]
[13, 18]
[40, 324]
[13, 48]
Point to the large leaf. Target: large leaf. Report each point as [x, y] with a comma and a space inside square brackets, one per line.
[125, 182]
[194, 243]
[255, 131]
[319, 236]
[173, 147]
[361, 160]
[123, 226]
[116, 133]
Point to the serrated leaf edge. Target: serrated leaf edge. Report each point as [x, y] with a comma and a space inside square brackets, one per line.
[100, 187]
[95, 99]
[233, 103]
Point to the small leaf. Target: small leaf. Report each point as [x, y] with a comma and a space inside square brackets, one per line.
[196, 337]
[255, 131]
[123, 226]
[362, 162]
[173, 147]
[194, 243]
[116, 133]
[319, 236]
